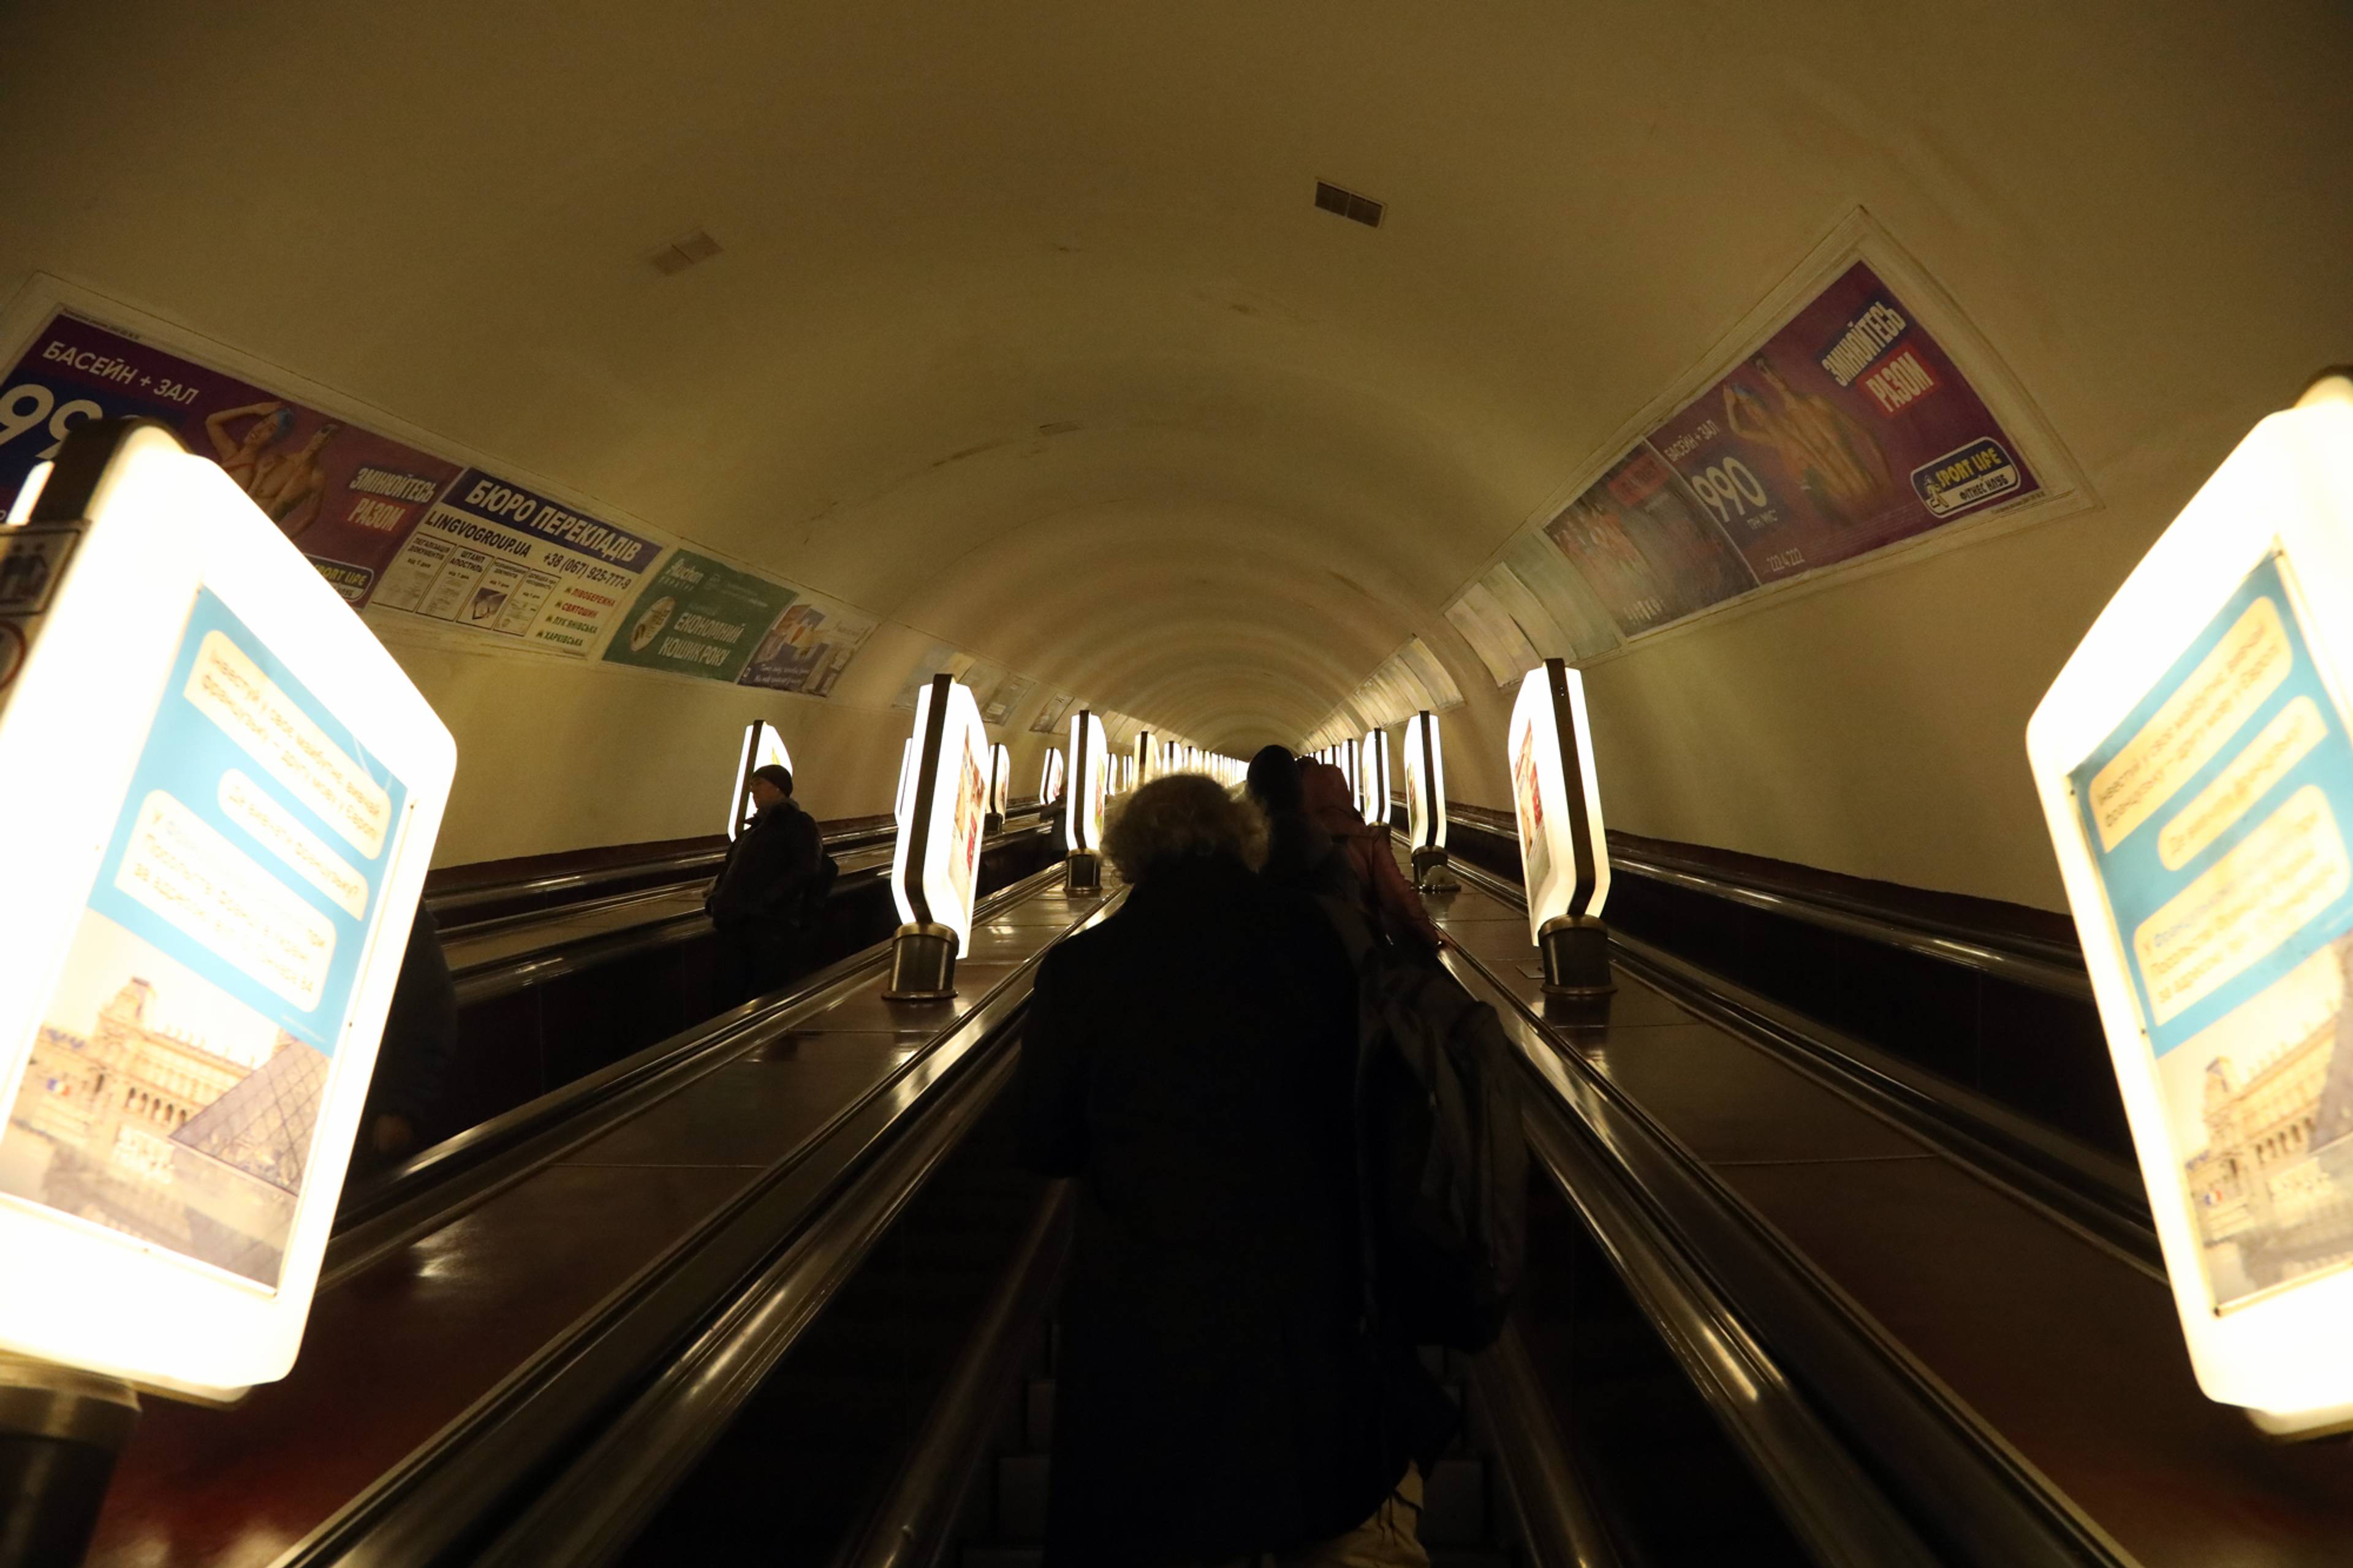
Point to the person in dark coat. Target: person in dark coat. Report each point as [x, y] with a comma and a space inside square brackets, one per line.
[1301, 854]
[1191, 1062]
[759, 904]
[420, 1040]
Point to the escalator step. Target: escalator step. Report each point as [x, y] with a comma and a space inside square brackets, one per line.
[1003, 1556]
[1021, 1496]
[1454, 1503]
[1038, 1422]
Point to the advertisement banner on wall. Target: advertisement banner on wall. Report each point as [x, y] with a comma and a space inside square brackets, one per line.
[346, 496]
[996, 705]
[1049, 717]
[1644, 548]
[808, 647]
[698, 616]
[495, 557]
[1848, 429]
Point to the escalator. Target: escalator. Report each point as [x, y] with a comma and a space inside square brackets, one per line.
[668, 1320]
[559, 976]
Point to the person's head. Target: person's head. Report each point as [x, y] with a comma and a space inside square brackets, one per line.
[1183, 817]
[266, 429]
[1274, 780]
[771, 785]
[1324, 790]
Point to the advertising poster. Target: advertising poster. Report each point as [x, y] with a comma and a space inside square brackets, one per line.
[2215, 817]
[807, 648]
[1049, 717]
[971, 816]
[696, 617]
[1643, 548]
[495, 557]
[998, 704]
[1527, 796]
[175, 1081]
[1849, 430]
[938, 659]
[1536, 583]
[346, 496]
[1499, 639]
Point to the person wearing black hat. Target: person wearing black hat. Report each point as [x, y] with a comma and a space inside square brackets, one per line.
[760, 903]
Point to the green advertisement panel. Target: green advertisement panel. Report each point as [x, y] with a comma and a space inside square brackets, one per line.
[698, 616]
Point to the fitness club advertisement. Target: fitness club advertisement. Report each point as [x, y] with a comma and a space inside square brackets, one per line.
[346, 496]
[1847, 430]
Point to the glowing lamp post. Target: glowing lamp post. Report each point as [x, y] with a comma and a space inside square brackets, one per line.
[2197, 777]
[1051, 777]
[1082, 817]
[1374, 794]
[236, 791]
[1425, 804]
[763, 747]
[935, 868]
[1000, 786]
[1564, 859]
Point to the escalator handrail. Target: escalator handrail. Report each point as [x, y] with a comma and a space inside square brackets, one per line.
[1834, 1413]
[2038, 966]
[1563, 1524]
[588, 1515]
[432, 1186]
[518, 972]
[680, 1328]
[914, 1527]
[2098, 1197]
[678, 865]
[2091, 1193]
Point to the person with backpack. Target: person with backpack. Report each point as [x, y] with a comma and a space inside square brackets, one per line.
[1388, 901]
[765, 904]
[1192, 1062]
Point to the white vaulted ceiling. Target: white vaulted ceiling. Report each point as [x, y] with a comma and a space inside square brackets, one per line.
[1025, 331]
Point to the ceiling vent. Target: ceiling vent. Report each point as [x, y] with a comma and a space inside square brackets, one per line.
[1348, 205]
[680, 254]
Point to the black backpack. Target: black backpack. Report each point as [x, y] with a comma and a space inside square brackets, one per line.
[1443, 1159]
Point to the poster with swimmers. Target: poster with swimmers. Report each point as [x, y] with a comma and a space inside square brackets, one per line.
[2215, 815]
[347, 497]
[1845, 431]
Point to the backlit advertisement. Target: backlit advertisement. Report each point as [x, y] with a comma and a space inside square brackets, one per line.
[346, 496]
[211, 967]
[2216, 815]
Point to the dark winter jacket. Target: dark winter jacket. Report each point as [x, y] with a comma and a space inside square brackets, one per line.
[770, 869]
[1191, 1062]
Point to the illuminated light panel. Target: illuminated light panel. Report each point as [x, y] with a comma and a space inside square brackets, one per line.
[1425, 782]
[1548, 753]
[1090, 772]
[1373, 798]
[230, 725]
[2196, 775]
[935, 865]
[1000, 778]
[762, 747]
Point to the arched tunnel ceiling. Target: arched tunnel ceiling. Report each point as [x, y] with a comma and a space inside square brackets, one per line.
[1025, 331]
